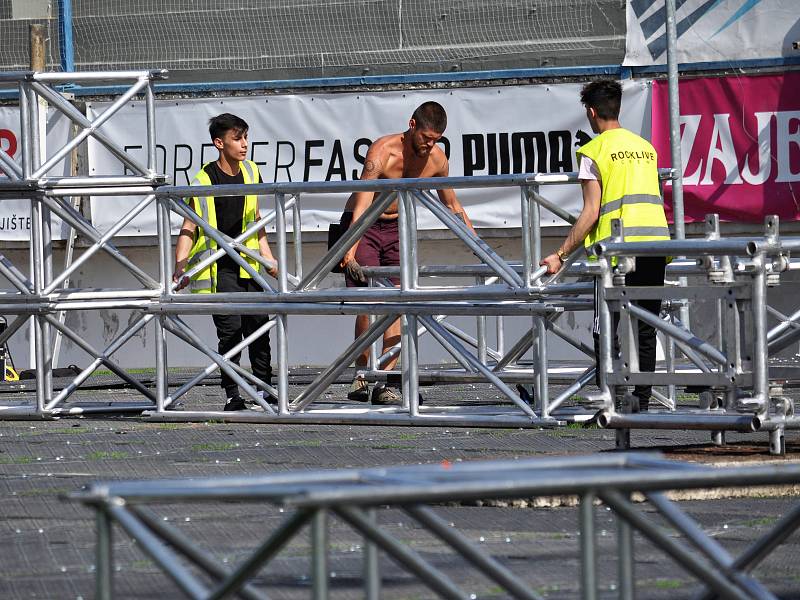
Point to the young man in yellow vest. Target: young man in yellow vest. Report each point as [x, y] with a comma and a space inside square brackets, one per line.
[619, 180]
[230, 215]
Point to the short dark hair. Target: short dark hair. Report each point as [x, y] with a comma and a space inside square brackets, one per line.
[605, 96]
[430, 115]
[218, 126]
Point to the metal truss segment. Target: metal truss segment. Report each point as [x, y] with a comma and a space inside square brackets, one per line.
[84, 227]
[719, 557]
[132, 330]
[474, 243]
[239, 375]
[157, 551]
[344, 360]
[485, 563]
[90, 128]
[411, 560]
[223, 242]
[101, 356]
[700, 569]
[189, 548]
[353, 233]
[263, 554]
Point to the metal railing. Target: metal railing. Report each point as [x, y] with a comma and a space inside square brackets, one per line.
[355, 496]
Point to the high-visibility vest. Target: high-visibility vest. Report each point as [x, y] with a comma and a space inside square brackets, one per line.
[205, 281]
[629, 179]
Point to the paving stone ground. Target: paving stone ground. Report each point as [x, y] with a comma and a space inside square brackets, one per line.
[48, 543]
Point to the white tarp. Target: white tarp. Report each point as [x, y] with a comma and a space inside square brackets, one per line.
[15, 215]
[318, 137]
[712, 30]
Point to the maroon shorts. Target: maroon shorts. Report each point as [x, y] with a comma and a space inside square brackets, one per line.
[379, 246]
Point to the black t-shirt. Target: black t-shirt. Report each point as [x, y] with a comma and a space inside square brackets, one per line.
[229, 209]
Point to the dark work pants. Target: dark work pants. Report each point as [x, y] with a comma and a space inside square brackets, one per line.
[232, 329]
[649, 272]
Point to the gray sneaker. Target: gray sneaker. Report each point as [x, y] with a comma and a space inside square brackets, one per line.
[359, 390]
[386, 396]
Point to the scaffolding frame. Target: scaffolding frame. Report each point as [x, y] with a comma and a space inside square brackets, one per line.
[499, 287]
[355, 496]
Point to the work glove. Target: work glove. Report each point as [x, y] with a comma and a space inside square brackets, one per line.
[354, 271]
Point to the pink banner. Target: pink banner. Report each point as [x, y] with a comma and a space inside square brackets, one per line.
[740, 145]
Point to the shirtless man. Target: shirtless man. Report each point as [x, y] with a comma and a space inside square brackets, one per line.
[414, 154]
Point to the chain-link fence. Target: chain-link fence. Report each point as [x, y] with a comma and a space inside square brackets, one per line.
[235, 39]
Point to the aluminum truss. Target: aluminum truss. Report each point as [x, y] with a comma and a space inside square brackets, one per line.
[37, 298]
[354, 497]
[738, 269]
[734, 368]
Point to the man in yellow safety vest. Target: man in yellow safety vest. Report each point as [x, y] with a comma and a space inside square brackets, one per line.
[619, 180]
[231, 216]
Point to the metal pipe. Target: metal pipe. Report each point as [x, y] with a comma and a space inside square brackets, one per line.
[310, 308]
[297, 232]
[383, 185]
[674, 119]
[588, 544]
[372, 577]
[731, 246]
[319, 555]
[702, 421]
[625, 567]
[760, 347]
[282, 319]
[104, 579]
[386, 294]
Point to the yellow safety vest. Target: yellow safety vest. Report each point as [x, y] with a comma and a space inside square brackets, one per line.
[629, 179]
[205, 281]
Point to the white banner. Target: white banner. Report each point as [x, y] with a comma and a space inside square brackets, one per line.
[325, 138]
[15, 215]
[712, 30]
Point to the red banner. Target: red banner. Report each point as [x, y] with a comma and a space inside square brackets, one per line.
[740, 145]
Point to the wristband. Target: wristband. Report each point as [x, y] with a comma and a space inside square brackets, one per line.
[561, 254]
